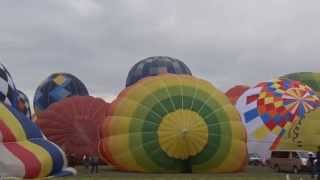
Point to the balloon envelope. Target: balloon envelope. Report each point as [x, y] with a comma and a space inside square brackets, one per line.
[57, 87]
[235, 92]
[24, 104]
[156, 65]
[73, 124]
[304, 135]
[311, 79]
[34, 117]
[270, 109]
[173, 123]
[8, 92]
[24, 152]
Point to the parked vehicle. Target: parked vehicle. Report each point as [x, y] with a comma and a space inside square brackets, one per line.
[289, 160]
[255, 160]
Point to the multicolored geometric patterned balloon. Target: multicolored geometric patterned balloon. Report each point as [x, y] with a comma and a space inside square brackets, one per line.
[24, 104]
[8, 91]
[235, 92]
[173, 123]
[271, 108]
[24, 152]
[156, 65]
[311, 79]
[57, 87]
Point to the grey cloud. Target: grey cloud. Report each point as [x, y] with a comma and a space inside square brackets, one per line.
[224, 41]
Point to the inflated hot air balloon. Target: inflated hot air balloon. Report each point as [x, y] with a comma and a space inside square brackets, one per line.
[57, 87]
[173, 123]
[235, 92]
[23, 104]
[305, 133]
[34, 117]
[270, 109]
[74, 123]
[24, 152]
[8, 91]
[156, 65]
[309, 78]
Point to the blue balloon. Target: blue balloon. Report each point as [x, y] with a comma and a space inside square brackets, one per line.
[55, 88]
[24, 104]
[156, 65]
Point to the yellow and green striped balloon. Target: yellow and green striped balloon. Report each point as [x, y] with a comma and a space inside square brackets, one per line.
[173, 123]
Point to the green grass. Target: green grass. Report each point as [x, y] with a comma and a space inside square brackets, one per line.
[252, 173]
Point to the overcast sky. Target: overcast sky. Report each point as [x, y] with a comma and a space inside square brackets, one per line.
[227, 42]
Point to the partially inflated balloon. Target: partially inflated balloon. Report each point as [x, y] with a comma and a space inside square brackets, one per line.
[270, 109]
[74, 123]
[8, 91]
[156, 65]
[57, 87]
[235, 92]
[34, 117]
[24, 104]
[24, 152]
[173, 123]
[309, 78]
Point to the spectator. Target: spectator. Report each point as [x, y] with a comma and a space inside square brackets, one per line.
[94, 163]
[85, 161]
[317, 165]
[311, 165]
[71, 159]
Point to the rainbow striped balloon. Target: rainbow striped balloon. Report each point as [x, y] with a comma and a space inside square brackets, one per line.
[173, 123]
[24, 152]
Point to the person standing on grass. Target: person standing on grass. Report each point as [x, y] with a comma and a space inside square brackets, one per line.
[85, 161]
[72, 159]
[311, 165]
[94, 163]
[317, 165]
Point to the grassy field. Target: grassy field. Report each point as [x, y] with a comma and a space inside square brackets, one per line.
[252, 173]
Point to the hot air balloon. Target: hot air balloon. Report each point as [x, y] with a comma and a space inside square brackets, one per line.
[24, 152]
[270, 109]
[154, 66]
[34, 117]
[57, 87]
[8, 92]
[23, 104]
[73, 124]
[235, 92]
[173, 123]
[304, 135]
[309, 78]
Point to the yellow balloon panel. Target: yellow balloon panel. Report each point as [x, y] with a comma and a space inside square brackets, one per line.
[304, 134]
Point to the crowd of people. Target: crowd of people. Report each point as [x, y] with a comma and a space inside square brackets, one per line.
[91, 163]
